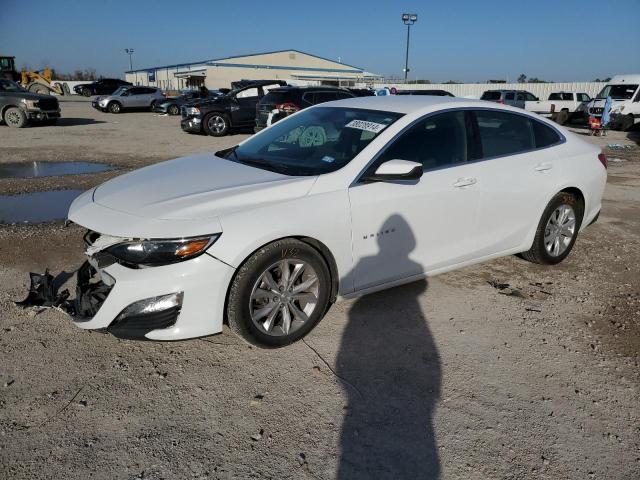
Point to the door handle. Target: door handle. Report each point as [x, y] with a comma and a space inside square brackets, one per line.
[464, 182]
[541, 167]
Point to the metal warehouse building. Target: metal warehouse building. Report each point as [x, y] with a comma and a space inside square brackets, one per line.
[291, 65]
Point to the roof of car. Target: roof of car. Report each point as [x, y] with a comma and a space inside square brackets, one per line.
[296, 87]
[406, 103]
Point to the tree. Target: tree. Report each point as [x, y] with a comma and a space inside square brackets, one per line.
[522, 78]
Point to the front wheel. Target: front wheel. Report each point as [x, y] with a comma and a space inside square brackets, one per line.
[557, 230]
[15, 117]
[114, 107]
[86, 92]
[627, 123]
[279, 294]
[174, 110]
[216, 125]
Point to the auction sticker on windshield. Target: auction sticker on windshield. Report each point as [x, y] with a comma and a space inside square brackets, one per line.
[367, 126]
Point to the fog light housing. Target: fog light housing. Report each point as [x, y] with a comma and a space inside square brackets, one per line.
[152, 305]
[144, 316]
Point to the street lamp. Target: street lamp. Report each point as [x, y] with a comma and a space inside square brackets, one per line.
[408, 19]
[129, 51]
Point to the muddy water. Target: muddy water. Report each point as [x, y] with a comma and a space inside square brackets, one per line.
[50, 169]
[36, 207]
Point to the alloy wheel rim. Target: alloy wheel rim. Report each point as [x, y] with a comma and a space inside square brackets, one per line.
[284, 297]
[217, 124]
[13, 118]
[560, 229]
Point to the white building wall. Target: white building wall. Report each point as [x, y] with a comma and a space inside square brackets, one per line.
[475, 90]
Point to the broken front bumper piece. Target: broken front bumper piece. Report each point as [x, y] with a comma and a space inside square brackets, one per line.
[169, 302]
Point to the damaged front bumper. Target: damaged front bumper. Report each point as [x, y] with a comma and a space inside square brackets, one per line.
[171, 302]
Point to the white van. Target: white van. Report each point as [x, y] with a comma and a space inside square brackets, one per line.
[624, 90]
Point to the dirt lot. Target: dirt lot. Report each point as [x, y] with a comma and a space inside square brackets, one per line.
[450, 377]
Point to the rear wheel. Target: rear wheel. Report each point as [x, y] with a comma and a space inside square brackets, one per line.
[279, 294]
[114, 107]
[15, 117]
[557, 230]
[216, 124]
[173, 110]
[562, 117]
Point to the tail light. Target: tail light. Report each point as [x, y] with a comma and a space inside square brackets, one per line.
[603, 160]
[288, 108]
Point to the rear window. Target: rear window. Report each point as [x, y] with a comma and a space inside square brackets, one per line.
[504, 133]
[274, 97]
[490, 96]
[544, 135]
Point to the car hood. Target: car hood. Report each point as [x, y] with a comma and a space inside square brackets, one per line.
[182, 197]
[32, 96]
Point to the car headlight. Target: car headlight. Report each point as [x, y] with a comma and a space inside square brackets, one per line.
[192, 111]
[151, 253]
[30, 103]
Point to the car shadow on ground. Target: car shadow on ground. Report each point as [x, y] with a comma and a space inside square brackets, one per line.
[392, 368]
[70, 121]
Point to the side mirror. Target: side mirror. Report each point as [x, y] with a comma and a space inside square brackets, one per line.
[395, 170]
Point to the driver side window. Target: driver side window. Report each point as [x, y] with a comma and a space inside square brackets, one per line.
[438, 141]
[249, 93]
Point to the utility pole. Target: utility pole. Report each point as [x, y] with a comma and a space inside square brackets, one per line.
[129, 51]
[408, 19]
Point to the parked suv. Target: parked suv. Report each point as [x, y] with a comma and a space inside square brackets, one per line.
[281, 102]
[19, 107]
[235, 109]
[129, 97]
[106, 86]
[515, 98]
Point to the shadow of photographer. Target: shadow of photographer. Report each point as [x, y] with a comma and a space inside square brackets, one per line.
[388, 354]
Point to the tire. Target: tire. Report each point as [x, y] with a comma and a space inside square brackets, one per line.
[276, 316]
[562, 117]
[173, 110]
[153, 105]
[555, 224]
[627, 123]
[86, 92]
[216, 124]
[114, 107]
[15, 117]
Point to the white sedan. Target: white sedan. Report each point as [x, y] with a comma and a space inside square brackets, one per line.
[338, 200]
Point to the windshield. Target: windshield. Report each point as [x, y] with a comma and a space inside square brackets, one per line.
[618, 92]
[9, 86]
[314, 141]
[120, 90]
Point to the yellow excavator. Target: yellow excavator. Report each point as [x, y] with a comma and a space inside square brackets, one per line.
[36, 81]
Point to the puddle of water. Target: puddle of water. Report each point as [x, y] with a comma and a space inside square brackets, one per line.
[49, 169]
[36, 207]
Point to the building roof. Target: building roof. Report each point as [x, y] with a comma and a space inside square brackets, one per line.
[348, 68]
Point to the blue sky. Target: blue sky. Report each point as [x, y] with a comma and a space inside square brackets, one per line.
[465, 40]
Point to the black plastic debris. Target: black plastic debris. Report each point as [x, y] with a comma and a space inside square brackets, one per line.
[90, 293]
[43, 292]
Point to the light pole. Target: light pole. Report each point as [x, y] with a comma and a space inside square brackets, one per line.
[129, 51]
[408, 19]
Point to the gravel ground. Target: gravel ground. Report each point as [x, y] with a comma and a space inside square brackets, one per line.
[452, 376]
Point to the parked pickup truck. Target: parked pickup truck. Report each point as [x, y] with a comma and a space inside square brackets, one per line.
[561, 106]
[19, 107]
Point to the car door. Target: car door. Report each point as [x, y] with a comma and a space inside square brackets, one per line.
[516, 179]
[405, 228]
[131, 97]
[243, 107]
[520, 98]
[102, 88]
